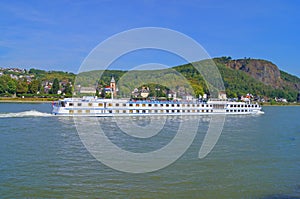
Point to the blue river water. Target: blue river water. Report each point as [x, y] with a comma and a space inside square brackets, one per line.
[42, 156]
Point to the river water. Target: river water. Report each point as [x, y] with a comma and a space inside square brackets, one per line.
[42, 156]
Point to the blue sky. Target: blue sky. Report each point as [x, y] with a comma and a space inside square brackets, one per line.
[58, 35]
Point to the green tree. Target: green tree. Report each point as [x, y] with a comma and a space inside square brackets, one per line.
[3, 85]
[97, 93]
[68, 89]
[8, 85]
[22, 87]
[108, 95]
[55, 86]
[102, 95]
[34, 86]
[12, 86]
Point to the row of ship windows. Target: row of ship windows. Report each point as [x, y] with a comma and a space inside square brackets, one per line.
[145, 105]
[239, 110]
[143, 111]
[243, 106]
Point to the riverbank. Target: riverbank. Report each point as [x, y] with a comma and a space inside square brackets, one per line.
[26, 100]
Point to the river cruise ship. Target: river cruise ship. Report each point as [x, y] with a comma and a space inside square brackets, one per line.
[91, 106]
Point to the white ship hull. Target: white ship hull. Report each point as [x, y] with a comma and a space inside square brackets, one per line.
[92, 107]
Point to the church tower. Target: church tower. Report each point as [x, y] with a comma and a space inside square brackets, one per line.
[113, 86]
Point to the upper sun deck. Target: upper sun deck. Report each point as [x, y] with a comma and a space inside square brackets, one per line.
[91, 99]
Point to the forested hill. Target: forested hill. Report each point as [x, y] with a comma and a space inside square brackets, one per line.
[258, 77]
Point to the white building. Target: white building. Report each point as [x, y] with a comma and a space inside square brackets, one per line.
[87, 90]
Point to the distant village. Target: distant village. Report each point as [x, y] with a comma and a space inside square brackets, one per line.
[21, 81]
[144, 93]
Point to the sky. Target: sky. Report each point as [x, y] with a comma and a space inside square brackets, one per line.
[60, 34]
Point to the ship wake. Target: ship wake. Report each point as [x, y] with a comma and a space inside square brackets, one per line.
[31, 113]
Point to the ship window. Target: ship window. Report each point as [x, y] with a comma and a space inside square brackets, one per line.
[183, 111]
[167, 111]
[143, 105]
[90, 104]
[117, 104]
[202, 110]
[79, 111]
[193, 105]
[207, 110]
[71, 111]
[212, 110]
[242, 110]
[178, 105]
[188, 111]
[173, 105]
[87, 111]
[131, 111]
[144, 111]
[130, 104]
[256, 105]
[137, 111]
[155, 105]
[234, 110]
[173, 111]
[193, 111]
[124, 111]
[150, 111]
[110, 111]
[161, 105]
[149, 105]
[239, 110]
[117, 111]
[124, 104]
[231, 105]
[137, 105]
[155, 111]
[100, 104]
[109, 104]
[178, 111]
[71, 104]
[188, 105]
[246, 110]
[161, 111]
[202, 105]
[79, 104]
[167, 105]
[227, 110]
[234, 106]
[230, 110]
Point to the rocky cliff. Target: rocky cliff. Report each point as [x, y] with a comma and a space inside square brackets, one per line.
[262, 70]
